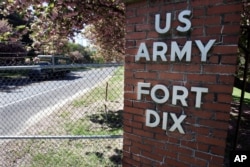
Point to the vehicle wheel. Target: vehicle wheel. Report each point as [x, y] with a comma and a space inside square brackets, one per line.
[32, 78]
[46, 77]
[63, 74]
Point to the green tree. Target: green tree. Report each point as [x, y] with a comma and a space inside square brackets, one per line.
[54, 21]
[5, 29]
[244, 45]
[12, 53]
[13, 28]
[79, 53]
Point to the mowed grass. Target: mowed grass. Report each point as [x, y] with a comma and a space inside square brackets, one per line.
[99, 123]
[75, 155]
[101, 120]
[86, 116]
[78, 153]
[108, 91]
[237, 94]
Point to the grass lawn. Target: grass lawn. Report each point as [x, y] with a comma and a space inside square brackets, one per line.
[237, 94]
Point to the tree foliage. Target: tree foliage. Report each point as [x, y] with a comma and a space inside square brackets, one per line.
[12, 53]
[79, 53]
[13, 28]
[5, 29]
[244, 41]
[54, 21]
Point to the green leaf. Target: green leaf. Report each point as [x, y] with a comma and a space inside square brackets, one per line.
[51, 5]
[21, 27]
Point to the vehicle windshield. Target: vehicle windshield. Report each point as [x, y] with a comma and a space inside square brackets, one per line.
[45, 59]
[55, 60]
[43, 63]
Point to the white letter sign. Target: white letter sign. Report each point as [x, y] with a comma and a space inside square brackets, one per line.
[178, 51]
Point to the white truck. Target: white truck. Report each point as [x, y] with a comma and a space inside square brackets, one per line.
[48, 66]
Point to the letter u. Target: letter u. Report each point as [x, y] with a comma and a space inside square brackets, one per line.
[167, 26]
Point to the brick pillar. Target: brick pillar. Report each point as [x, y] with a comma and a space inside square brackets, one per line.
[178, 82]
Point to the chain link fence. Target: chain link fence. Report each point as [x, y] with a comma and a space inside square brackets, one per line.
[55, 117]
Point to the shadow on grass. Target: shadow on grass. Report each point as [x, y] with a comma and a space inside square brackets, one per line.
[246, 101]
[97, 154]
[115, 159]
[111, 119]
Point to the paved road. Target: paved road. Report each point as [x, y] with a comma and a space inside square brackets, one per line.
[21, 101]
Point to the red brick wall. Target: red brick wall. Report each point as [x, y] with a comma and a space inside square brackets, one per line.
[203, 143]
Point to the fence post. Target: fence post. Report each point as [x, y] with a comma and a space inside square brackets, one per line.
[106, 101]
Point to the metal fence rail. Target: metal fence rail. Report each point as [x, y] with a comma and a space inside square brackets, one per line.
[77, 116]
[71, 66]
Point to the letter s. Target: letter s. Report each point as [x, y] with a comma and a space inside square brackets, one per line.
[184, 20]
